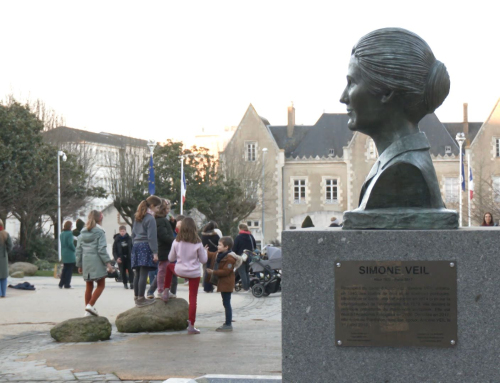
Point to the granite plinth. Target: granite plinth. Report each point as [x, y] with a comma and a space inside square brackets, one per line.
[308, 315]
[399, 218]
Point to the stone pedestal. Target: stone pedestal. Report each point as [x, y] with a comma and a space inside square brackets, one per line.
[309, 350]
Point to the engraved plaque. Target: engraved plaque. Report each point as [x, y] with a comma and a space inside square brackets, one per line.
[396, 303]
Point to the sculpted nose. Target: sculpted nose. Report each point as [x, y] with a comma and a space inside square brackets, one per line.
[344, 99]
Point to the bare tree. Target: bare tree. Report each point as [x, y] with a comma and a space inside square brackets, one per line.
[50, 118]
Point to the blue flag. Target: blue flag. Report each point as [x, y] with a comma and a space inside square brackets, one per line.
[151, 181]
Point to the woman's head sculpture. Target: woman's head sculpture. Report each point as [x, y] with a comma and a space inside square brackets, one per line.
[399, 61]
[393, 81]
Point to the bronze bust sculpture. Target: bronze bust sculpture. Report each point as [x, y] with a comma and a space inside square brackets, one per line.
[393, 81]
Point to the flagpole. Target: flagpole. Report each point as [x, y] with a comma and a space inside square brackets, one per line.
[469, 182]
[182, 182]
[460, 139]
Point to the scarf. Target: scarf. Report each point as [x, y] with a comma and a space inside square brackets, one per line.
[244, 232]
[221, 256]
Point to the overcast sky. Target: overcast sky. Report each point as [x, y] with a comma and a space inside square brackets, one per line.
[167, 69]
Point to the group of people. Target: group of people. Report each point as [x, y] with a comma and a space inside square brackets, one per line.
[172, 247]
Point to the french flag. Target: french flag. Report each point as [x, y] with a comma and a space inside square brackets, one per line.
[471, 183]
[183, 187]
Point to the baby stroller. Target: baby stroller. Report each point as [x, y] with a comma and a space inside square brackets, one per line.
[116, 272]
[270, 282]
[253, 279]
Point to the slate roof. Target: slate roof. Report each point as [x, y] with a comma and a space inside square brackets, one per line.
[65, 134]
[456, 127]
[331, 132]
[438, 135]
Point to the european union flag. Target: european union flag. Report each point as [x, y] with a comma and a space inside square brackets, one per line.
[151, 183]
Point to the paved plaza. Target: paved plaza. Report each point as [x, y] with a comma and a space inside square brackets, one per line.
[29, 354]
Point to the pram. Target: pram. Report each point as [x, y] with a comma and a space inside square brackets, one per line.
[116, 272]
[269, 265]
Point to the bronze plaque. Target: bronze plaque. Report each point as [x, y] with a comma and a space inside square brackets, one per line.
[396, 303]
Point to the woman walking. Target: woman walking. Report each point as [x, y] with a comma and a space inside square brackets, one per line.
[209, 239]
[145, 248]
[67, 255]
[93, 260]
[189, 253]
[165, 239]
[5, 248]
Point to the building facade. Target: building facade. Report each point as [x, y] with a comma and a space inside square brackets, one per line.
[318, 170]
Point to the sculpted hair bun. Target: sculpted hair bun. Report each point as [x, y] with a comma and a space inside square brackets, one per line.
[437, 86]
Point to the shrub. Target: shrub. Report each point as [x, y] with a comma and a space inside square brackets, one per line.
[42, 246]
[307, 222]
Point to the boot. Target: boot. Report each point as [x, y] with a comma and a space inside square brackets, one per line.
[165, 295]
[142, 302]
[191, 329]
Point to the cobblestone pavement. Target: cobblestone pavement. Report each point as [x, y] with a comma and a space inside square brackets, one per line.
[20, 352]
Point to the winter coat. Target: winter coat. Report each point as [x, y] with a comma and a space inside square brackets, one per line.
[165, 237]
[92, 254]
[189, 256]
[67, 247]
[145, 231]
[244, 241]
[225, 272]
[211, 239]
[119, 244]
[5, 248]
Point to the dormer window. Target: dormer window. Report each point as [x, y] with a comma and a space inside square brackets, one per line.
[331, 152]
[447, 149]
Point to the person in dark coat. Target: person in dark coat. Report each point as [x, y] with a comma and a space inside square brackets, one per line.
[165, 238]
[5, 249]
[68, 256]
[122, 250]
[244, 241]
[210, 238]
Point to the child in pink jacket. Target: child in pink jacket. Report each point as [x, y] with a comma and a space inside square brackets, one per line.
[189, 253]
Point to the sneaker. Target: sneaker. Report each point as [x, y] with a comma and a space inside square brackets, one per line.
[225, 328]
[150, 296]
[158, 295]
[87, 314]
[91, 309]
[125, 287]
[192, 330]
[165, 295]
[143, 302]
[172, 295]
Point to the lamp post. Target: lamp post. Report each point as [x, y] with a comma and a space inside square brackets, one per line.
[460, 139]
[60, 154]
[264, 151]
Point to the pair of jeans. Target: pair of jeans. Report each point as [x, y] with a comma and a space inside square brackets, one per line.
[3, 287]
[243, 273]
[226, 302]
[194, 284]
[152, 277]
[126, 265]
[66, 274]
[159, 281]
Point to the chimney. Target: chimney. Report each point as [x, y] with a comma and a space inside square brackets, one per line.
[466, 125]
[291, 121]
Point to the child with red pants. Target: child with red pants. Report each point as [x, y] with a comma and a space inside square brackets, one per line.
[189, 253]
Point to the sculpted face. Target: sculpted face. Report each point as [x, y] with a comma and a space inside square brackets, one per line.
[364, 109]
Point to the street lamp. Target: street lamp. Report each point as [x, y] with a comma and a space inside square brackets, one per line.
[460, 139]
[264, 151]
[60, 154]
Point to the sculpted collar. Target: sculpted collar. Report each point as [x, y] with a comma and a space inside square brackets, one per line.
[417, 141]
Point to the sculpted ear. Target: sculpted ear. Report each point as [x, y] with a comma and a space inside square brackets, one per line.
[387, 96]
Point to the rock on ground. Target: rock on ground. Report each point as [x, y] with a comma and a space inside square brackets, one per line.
[86, 329]
[25, 267]
[17, 274]
[160, 316]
